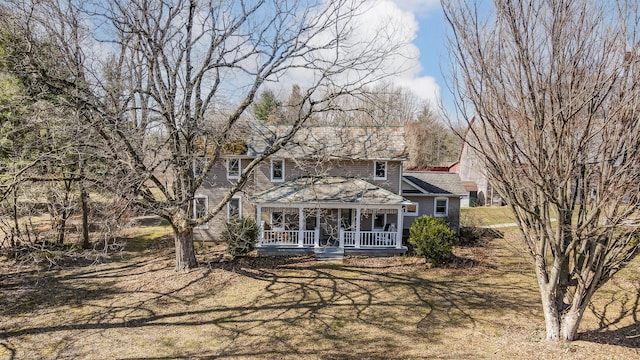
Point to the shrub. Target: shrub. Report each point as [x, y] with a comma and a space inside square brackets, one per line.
[240, 234]
[433, 238]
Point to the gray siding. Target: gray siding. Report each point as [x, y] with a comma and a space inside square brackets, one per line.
[216, 185]
[351, 168]
[426, 207]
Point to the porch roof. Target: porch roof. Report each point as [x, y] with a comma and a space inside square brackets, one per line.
[328, 190]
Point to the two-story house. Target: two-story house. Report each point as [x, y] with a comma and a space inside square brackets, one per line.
[331, 187]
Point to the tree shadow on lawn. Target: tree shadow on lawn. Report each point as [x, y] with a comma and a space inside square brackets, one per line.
[300, 307]
[24, 291]
[621, 305]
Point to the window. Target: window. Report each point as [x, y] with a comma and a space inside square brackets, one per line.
[378, 221]
[380, 170]
[277, 170]
[411, 210]
[277, 220]
[198, 165]
[233, 168]
[441, 207]
[200, 208]
[234, 207]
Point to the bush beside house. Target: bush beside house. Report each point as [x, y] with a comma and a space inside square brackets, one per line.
[240, 235]
[433, 238]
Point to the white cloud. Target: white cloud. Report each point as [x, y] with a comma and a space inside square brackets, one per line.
[402, 14]
[382, 22]
[425, 87]
[418, 7]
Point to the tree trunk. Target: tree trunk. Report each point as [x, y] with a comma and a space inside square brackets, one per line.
[570, 324]
[15, 234]
[549, 304]
[185, 252]
[84, 196]
[551, 315]
[64, 214]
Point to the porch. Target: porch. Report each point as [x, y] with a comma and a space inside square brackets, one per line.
[340, 213]
[271, 234]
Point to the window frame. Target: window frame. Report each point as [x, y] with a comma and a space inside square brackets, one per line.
[239, 170]
[235, 197]
[412, 213]
[446, 207]
[281, 179]
[375, 170]
[195, 209]
[198, 165]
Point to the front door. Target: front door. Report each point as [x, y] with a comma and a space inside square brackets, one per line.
[329, 227]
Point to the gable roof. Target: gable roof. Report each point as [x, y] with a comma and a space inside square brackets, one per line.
[435, 182]
[332, 142]
[328, 189]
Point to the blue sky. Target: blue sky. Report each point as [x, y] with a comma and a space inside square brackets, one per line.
[434, 58]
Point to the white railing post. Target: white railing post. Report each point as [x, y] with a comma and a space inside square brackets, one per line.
[301, 223]
[316, 237]
[261, 233]
[400, 228]
[357, 235]
[341, 238]
[259, 221]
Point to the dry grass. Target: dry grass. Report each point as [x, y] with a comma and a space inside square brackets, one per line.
[137, 307]
[486, 215]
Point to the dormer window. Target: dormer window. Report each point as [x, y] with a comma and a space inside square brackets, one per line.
[380, 170]
[277, 170]
[233, 168]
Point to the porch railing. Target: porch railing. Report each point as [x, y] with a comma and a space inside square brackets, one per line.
[288, 237]
[280, 237]
[309, 237]
[370, 238]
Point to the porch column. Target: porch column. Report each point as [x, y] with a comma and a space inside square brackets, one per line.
[300, 227]
[316, 233]
[400, 228]
[358, 218]
[259, 222]
[340, 229]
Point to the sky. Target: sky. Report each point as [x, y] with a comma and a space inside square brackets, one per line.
[425, 22]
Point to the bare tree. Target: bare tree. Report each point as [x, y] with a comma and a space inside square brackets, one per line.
[166, 83]
[554, 86]
[430, 142]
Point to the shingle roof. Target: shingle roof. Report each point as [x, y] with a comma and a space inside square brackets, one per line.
[435, 182]
[342, 142]
[328, 189]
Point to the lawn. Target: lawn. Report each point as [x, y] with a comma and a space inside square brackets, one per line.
[136, 307]
[486, 215]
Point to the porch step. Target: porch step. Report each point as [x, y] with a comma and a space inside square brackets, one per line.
[329, 254]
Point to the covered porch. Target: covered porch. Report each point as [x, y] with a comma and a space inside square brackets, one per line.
[329, 212]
